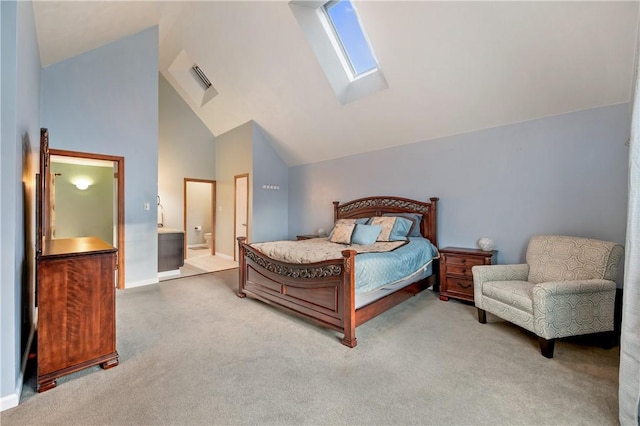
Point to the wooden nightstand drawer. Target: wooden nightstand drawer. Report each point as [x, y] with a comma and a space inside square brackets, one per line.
[456, 277]
[460, 286]
[461, 261]
[464, 271]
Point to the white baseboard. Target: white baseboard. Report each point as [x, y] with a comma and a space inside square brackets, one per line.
[165, 274]
[224, 256]
[141, 283]
[13, 400]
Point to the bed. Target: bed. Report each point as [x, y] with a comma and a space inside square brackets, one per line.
[325, 291]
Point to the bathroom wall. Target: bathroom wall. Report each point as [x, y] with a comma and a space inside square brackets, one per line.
[84, 213]
[198, 211]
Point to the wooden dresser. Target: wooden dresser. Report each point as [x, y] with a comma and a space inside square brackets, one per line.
[456, 279]
[76, 308]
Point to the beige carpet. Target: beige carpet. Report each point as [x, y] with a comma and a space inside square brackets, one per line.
[191, 352]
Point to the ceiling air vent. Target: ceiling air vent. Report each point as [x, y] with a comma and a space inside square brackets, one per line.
[200, 77]
[192, 81]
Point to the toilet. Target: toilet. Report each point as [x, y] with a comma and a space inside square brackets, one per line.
[207, 238]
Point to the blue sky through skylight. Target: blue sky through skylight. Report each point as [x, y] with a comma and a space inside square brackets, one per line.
[347, 27]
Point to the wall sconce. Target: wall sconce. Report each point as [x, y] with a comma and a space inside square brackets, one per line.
[82, 184]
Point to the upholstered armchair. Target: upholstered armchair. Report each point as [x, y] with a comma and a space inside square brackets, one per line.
[566, 288]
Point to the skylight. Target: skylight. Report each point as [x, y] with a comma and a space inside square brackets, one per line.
[341, 47]
[350, 37]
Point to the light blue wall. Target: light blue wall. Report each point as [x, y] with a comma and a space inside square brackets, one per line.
[270, 207]
[233, 157]
[20, 131]
[105, 101]
[565, 174]
[186, 149]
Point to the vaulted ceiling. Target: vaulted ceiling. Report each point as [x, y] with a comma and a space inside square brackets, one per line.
[451, 67]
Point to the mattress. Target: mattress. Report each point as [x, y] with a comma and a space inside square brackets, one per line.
[375, 270]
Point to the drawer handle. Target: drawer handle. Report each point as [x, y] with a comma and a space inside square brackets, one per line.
[464, 270]
[464, 286]
[463, 261]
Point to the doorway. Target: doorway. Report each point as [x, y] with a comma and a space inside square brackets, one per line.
[95, 180]
[241, 210]
[199, 214]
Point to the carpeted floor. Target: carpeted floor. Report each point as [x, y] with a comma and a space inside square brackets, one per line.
[191, 352]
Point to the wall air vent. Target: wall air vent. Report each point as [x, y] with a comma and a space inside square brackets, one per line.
[190, 80]
[200, 77]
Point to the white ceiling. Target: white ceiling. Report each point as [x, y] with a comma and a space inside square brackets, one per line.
[452, 67]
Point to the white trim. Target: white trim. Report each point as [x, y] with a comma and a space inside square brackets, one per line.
[171, 273]
[142, 283]
[13, 400]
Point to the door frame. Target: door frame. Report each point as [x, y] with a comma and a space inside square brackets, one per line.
[235, 213]
[120, 200]
[213, 212]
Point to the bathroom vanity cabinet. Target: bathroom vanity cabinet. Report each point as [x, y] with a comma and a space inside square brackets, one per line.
[170, 249]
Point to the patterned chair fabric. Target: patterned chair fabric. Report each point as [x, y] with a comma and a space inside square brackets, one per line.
[566, 288]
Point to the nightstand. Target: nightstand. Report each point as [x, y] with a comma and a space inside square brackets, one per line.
[456, 279]
[306, 237]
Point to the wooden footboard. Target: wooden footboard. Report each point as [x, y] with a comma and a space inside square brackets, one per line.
[323, 292]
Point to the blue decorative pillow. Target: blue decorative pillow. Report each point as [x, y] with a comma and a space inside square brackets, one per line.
[416, 218]
[366, 234]
[401, 229]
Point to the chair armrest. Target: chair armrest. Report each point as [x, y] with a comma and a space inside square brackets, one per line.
[570, 308]
[484, 273]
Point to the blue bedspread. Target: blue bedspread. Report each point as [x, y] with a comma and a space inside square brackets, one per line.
[375, 270]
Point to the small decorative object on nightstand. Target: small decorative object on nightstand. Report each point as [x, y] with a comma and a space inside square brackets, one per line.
[485, 243]
[456, 279]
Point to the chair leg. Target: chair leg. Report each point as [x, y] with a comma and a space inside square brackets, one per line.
[482, 316]
[609, 339]
[546, 346]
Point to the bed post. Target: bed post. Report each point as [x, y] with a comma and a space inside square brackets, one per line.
[335, 211]
[349, 288]
[433, 215]
[242, 265]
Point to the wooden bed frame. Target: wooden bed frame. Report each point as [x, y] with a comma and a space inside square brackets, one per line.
[324, 292]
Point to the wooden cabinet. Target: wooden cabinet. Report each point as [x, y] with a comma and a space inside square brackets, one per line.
[456, 279]
[76, 308]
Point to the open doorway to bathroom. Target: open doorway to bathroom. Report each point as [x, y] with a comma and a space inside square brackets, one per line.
[199, 215]
[86, 198]
[200, 229]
